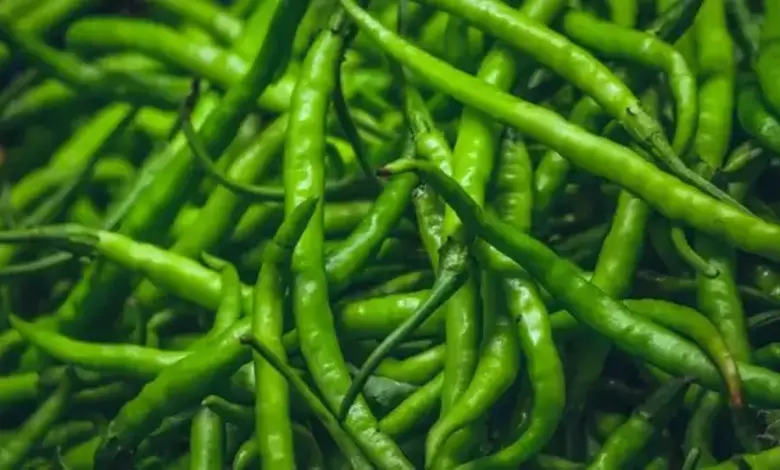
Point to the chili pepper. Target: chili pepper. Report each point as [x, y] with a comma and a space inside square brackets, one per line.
[551, 173]
[213, 63]
[453, 274]
[129, 360]
[40, 19]
[34, 428]
[223, 208]
[695, 326]
[272, 423]
[698, 434]
[616, 99]
[303, 179]
[644, 423]
[315, 404]
[599, 312]
[417, 369]
[207, 431]
[418, 407]
[619, 42]
[87, 77]
[614, 162]
[755, 118]
[472, 159]
[766, 459]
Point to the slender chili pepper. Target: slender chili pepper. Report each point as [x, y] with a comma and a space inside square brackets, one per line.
[42, 18]
[77, 152]
[624, 43]
[165, 44]
[128, 360]
[417, 408]
[645, 423]
[595, 155]
[718, 297]
[755, 118]
[695, 326]
[618, 259]
[766, 459]
[315, 404]
[273, 428]
[552, 171]
[588, 303]
[303, 179]
[134, 88]
[199, 373]
[14, 451]
[454, 262]
[161, 199]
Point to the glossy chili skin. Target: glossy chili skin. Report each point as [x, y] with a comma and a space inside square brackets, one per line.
[273, 427]
[588, 303]
[304, 179]
[601, 157]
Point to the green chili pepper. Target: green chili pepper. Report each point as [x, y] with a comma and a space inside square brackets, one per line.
[303, 179]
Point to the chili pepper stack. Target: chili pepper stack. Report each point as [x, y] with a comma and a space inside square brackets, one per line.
[442, 234]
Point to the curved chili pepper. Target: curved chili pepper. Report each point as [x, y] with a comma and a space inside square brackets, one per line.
[755, 118]
[418, 407]
[304, 178]
[623, 43]
[698, 434]
[551, 173]
[613, 162]
[695, 326]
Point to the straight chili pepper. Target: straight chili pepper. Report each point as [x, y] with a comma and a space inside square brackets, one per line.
[303, 179]
[273, 427]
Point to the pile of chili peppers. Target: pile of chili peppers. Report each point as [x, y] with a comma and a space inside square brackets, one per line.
[390, 234]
